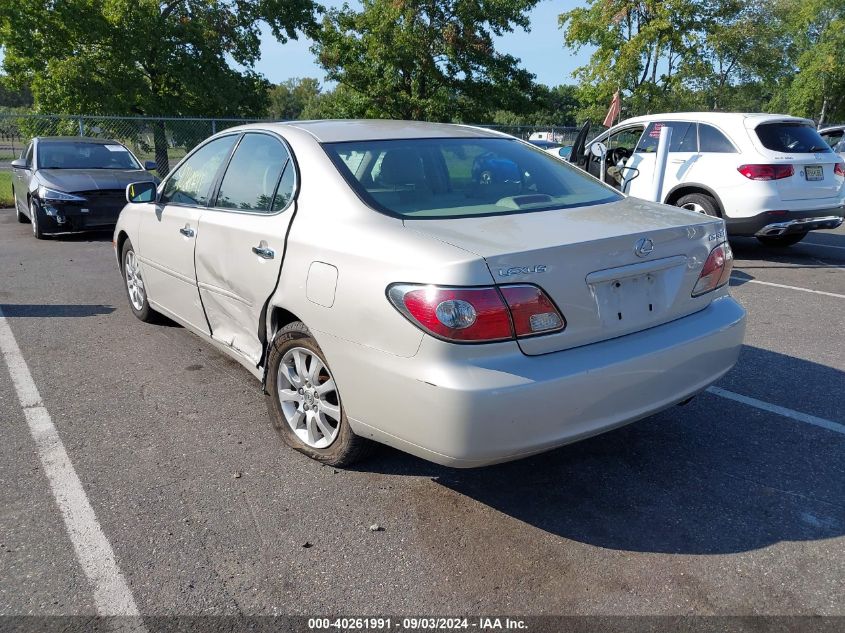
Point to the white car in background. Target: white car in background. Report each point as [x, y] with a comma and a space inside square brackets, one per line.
[766, 175]
[834, 136]
[447, 290]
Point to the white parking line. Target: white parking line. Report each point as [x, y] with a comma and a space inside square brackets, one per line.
[773, 408]
[841, 248]
[111, 593]
[769, 283]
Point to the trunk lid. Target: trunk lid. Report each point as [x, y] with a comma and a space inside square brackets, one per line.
[813, 179]
[797, 142]
[585, 260]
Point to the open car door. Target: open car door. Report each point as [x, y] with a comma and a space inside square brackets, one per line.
[578, 157]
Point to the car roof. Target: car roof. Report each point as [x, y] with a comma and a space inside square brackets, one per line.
[339, 130]
[832, 128]
[749, 119]
[79, 139]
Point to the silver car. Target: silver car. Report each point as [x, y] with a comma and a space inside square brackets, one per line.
[447, 290]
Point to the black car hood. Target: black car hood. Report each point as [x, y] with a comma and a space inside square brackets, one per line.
[73, 180]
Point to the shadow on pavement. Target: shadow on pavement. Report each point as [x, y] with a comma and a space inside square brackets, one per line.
[53, 310]
[808, 250]
[713, 477]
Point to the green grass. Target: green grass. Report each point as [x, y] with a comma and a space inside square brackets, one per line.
[6, 189]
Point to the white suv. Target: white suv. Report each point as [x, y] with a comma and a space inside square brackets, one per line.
[770, 176]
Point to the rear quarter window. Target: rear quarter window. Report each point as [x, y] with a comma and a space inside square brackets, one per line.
[712, 140]
[789, 137]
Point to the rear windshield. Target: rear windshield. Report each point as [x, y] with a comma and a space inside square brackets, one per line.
[797, 138]
[453, 178]
[81, 155]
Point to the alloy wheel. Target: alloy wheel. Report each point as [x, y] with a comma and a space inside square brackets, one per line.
[309, 398]
[33, 217]
[134, 282]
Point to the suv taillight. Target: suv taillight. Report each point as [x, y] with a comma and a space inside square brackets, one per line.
[766, 172]
[716, 271]
[477, 315]
[839, 170]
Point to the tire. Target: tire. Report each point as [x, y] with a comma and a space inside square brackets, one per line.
[36, 218]
[322, 431]
[699, 202]
[136, 292]
[21, 216]
[782, 241]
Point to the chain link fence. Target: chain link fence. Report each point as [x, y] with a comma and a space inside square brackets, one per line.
[166, 140]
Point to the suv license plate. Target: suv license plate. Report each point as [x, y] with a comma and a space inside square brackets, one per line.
[814, 172]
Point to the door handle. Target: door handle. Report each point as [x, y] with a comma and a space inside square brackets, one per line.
[264, 251]
[187, 231]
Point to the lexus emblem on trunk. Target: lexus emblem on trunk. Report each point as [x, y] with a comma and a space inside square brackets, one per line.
[644, 247]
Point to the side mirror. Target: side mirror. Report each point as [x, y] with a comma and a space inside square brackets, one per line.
[141, 192]
[150, 165]
[20, 163]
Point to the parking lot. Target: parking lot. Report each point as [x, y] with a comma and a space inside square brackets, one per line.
[733, 504]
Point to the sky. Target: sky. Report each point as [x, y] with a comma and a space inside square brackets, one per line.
[541, 50]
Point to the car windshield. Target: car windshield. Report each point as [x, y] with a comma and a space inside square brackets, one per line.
[82, 155]
[453, 178]
[797, 137]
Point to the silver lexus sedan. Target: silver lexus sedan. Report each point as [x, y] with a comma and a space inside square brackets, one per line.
[447, 290]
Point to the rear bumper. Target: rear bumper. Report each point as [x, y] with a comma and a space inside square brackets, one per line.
[463, 406]
[773, 224]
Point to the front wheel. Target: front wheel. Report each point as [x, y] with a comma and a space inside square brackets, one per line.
[781, 241]
[304, 402]
[36, 217]
[135, 289]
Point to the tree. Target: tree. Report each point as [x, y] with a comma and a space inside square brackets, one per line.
[818, 31]
[639, 47]
[678, 54]
[549, 106]
[295, 99]
[424, 59]
[144, 57]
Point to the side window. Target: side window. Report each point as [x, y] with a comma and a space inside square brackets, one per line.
[683, 137]
[253, 175]
[712, 140]
[626, 138]
[27, 156]
[191, 183]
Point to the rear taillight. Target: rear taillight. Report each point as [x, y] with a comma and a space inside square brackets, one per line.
[477, 315]
[717, 270]
[839, 170]
[531, 310]
[766, 172]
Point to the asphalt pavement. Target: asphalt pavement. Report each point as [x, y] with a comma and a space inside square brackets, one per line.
[725, 506]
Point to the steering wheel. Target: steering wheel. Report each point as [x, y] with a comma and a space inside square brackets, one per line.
[617, 154]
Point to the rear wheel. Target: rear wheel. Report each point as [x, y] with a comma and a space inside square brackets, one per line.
[782, 241]
[21, 216]
[700, 203]
[304, 402]
[36, 217]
